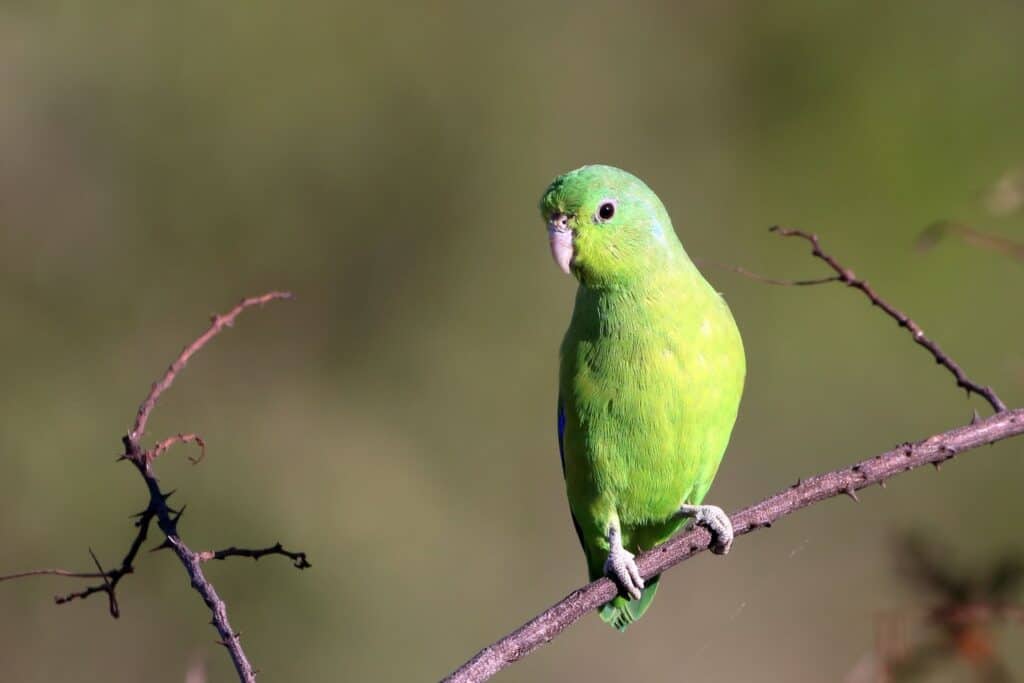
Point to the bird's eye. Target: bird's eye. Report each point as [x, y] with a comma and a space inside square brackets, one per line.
[606, 210]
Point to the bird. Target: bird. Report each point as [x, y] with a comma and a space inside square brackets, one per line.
[651, 374]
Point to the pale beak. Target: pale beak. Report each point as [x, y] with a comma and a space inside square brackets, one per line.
[560, 239]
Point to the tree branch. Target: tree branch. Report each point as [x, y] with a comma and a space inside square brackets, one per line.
[847, 481]
[298, 559]
[55, 572]
[932, 451]
[166, 444]
[166, 517]
[849, 278]
[217, 325]
[757, 277]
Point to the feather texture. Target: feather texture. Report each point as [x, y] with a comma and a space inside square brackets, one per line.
[652, 369]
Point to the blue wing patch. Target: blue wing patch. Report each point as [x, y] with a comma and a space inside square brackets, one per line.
[561, 433]
[561, 453]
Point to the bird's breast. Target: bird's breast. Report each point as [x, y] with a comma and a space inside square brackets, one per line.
[646, 390]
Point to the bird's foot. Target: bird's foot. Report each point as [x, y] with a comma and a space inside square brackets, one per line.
[621, 567]
[714, 519]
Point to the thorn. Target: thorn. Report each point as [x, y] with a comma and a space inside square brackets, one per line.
[163, 546]
[852, 494]
[176, 514]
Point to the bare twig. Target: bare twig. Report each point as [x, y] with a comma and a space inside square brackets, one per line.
[53, 572]
[298, 559]
[849, 278]
[933, 450]
[164, 445]
[111, 596]
[112, 577]
[166, 517]
[937, 231]
[166, 520]
[217, 324]
[740, 270]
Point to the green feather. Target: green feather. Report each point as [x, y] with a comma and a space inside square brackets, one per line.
[652, 369]
[621, 612]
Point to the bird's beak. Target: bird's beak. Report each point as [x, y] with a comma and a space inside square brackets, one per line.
[560, 239]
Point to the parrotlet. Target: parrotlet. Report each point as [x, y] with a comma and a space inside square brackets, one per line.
[651, 373]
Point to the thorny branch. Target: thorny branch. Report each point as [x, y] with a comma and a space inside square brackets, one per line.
[166, 517]
[849, 278]
[805, 492]
[934, 450]
[112, 577]
[298, 559]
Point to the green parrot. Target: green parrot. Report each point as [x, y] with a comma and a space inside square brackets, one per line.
[652, 369]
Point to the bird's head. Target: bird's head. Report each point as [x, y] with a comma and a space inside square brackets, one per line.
[605, 226]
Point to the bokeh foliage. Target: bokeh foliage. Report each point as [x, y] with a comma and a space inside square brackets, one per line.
[383, 161]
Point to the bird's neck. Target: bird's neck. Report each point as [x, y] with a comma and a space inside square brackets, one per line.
[651, 296]
[662, 271]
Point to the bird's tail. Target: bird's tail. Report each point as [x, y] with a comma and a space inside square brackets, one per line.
[621, 612]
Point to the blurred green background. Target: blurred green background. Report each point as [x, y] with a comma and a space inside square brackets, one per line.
[159, 161]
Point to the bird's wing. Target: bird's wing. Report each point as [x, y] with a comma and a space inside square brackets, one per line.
[561, 453]
[561, 433]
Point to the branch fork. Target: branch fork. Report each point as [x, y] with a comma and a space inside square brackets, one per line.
[166, 517]
[934, 450]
